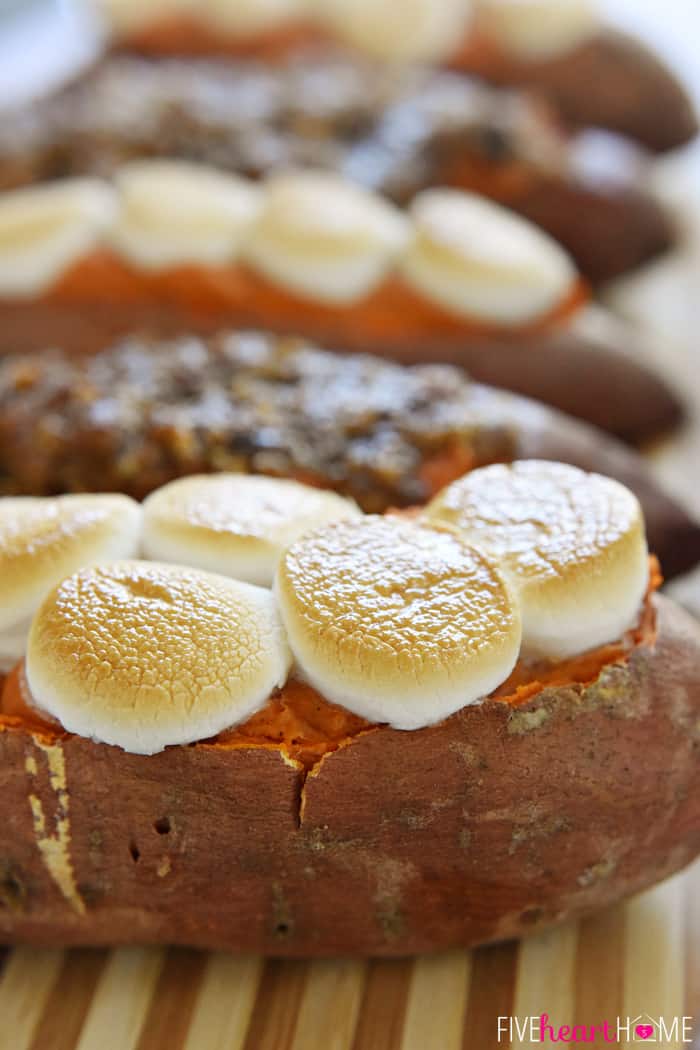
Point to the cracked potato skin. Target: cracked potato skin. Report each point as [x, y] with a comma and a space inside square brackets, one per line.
[495, 822]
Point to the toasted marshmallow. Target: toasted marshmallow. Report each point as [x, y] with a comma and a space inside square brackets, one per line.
[538, 28]
[414, 31]
[173, 213]
[143, 655]
[42, 540]
[478, 260]
[237, 17]
[573, 543]
[235, 524]
[324, 237]
[127, 16]
[44, 229]
[248, 17]
[397, 622]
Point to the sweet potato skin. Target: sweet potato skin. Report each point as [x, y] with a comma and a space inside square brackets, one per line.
[609, 227]
[496, 822]
[597, 381]
[611, 81]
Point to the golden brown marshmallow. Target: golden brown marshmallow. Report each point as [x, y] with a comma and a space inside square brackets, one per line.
[235, 524]
[142, 655]
[574, 544]
[397, 622]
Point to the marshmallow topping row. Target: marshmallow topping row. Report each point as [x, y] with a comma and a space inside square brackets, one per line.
[312, 233]
[403, 620]
[390, 30]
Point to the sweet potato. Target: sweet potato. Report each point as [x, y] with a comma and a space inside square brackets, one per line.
[142, 413]
[610, 81]
[339, 113]
[597, 379]
[498, 821]
[593, 378]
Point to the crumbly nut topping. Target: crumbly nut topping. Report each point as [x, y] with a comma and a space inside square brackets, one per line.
[142, 413]
[390, 130]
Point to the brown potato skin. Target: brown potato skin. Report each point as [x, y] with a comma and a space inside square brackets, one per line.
[610, 81]
[609, 227]
[494, 823]
[598, 381]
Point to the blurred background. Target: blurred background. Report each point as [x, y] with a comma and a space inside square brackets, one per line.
[666, 298]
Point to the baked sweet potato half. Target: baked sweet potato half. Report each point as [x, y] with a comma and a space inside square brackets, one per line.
[144, 412]
[172, 248]
[396, 134]
[592, 377]
[308, 828]
[540, 813]
[591, 72]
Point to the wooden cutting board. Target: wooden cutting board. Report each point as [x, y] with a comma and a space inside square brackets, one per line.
[642, 958]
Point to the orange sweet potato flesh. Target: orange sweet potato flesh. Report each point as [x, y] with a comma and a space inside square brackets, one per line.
[180, 35]
[390, 316]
